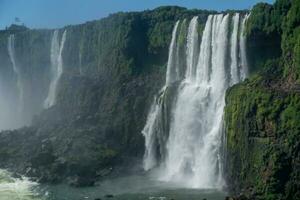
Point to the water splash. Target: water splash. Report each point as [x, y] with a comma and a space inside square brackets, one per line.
[192, 48]
[16, 188]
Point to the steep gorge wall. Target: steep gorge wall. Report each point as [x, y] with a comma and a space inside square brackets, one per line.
[112, 69]
[262, 113]
[32, 58]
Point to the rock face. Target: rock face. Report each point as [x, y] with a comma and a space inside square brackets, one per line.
[262, 121]
[112, 68]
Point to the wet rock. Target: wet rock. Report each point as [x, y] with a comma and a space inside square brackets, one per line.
[104, 172]
[242, 197]
[79, 181]
[109, 196]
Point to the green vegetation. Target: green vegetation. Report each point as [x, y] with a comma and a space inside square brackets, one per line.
[262, 114]
[113, 67]
[262, 127]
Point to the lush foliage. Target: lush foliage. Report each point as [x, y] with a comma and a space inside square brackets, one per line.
[262, 126]
[262, 114]
[113, 67]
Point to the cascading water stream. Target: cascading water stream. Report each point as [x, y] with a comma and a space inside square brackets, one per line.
[234, 50]
[17, 72]
[153, 128]
[20, 99]
[193, 138]
[189, 150]
[172, 72]
[243, 53]
[192, 48]
[56, 67]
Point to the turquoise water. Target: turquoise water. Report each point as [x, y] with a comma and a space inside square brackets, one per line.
[137, 187]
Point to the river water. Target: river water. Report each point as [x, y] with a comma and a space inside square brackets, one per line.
[135, 187]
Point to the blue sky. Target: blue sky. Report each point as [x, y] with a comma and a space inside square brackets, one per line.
[58, 13]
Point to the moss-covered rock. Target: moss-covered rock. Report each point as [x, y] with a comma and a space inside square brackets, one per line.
[262, 114]
[262, 128]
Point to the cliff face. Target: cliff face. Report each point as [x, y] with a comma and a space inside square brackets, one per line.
[24, 74]
[112, 68]
[262, 114]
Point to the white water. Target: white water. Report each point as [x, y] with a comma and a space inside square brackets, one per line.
[203, 66]
[56, 67]
[192, 48]
[153, 129]
[16, 188]
[149, 130]
[234, 50]
[243, 51]
[192, 154]
[20, 97]
[172, 71]
[17, 72]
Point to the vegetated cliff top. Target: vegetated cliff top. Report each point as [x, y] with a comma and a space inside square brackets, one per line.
[163, 12]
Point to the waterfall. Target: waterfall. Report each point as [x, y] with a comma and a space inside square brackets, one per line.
[189, 151]
[56, 67]
[243, 58]
[153, 128]
[192, 48]
[234, 50]
[172, 70]
[17, 72]
[203, 67]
